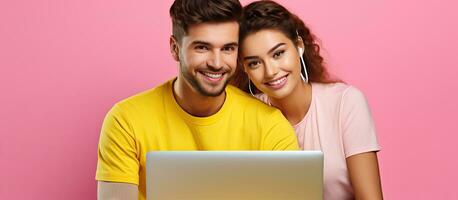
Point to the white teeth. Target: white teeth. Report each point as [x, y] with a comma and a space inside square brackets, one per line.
[276, 82]
[212, 75]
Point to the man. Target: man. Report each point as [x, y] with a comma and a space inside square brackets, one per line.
[195, 111]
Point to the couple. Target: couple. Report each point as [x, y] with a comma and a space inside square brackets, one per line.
[265, 50]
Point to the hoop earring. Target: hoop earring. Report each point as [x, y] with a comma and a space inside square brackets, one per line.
[306, 78]
[249, 87]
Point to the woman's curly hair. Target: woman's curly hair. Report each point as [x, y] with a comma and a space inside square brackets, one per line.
[263, 15]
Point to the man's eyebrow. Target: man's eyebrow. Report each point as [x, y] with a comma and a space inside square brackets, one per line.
[232, 44]
[201, 43]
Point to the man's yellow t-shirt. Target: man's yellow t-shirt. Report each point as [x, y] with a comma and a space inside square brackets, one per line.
[153, 121]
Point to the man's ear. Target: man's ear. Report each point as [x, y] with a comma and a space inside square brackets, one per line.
[174, 49]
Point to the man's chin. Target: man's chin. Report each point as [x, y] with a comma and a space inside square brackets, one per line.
[212, 90]
[205, 88]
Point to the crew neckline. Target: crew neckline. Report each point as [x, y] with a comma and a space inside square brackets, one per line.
[194, 119]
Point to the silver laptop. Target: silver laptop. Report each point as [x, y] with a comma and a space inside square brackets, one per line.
[234, 175]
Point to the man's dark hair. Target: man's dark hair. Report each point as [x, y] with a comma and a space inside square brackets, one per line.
[185, 13]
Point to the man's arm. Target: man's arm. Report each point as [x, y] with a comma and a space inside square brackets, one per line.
[280, 134]
[116, 191]
[117, 165]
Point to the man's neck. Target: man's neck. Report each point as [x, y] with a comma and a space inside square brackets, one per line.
[193, 102]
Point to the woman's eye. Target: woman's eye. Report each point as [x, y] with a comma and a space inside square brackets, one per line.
[253, 64]
[278, 53]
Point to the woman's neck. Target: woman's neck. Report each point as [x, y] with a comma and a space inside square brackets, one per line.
[296, 105]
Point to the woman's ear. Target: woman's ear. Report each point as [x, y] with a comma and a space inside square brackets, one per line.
[300, 45]
[174, 49]
[240, 64]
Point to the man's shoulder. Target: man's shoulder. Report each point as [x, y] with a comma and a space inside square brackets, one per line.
[145, 100]
[247, 102]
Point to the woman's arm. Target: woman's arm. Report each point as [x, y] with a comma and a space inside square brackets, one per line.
[364, 176]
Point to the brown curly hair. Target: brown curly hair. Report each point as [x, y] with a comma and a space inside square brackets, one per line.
[261, 15]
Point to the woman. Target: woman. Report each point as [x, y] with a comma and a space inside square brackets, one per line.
[280, 64]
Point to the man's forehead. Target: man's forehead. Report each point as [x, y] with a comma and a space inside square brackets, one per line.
[221, 33]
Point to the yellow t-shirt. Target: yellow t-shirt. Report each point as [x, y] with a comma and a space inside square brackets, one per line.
[153, 121]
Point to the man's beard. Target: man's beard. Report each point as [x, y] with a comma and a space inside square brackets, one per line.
[197, 86]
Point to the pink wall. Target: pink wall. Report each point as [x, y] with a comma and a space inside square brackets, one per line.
[64, 63]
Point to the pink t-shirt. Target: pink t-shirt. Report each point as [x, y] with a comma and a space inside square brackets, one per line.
[339, 123]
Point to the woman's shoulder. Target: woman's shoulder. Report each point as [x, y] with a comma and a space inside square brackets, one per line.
[330, 88]
[340, 93]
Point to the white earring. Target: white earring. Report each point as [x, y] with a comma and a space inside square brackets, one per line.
[249, 87]
[306, 78]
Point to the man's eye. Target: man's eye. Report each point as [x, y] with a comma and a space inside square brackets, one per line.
[201, 47]
[278, 53]
[231, 48]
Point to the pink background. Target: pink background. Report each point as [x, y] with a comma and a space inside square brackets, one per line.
[63, 64]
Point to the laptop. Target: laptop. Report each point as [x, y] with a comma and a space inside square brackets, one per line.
[234, 175]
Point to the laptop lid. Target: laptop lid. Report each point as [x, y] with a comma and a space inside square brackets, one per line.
[230, 175]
